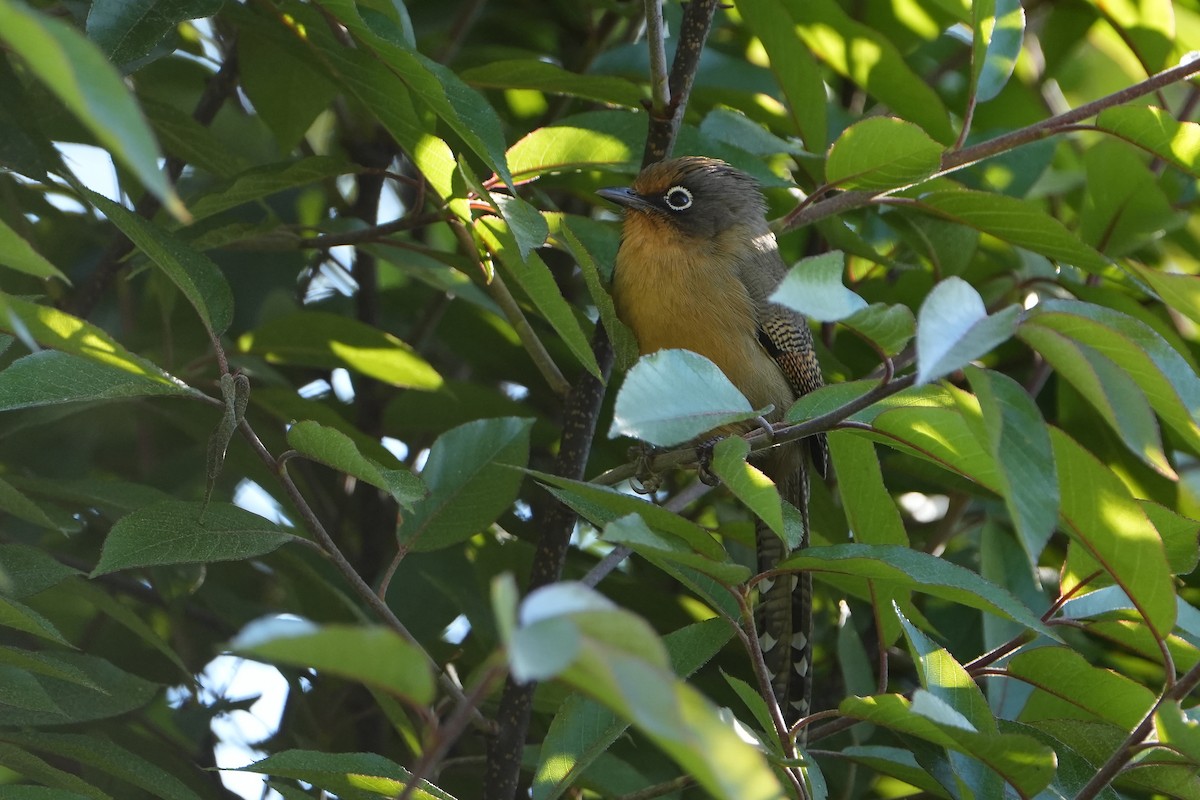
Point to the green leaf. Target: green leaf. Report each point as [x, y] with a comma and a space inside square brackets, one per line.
[953, 328]
[103, 754]
[51, 377]
[285, 84]
[633, 532]
[337, 450]
[617, 659]
[322, 339]
[673, 396]
[1156, 131]
[14, 502]
[538, 282]
[624, 344]
[601, 505]
[1180, 292]
[1022, 761]
[945, 679]
[600, 139]
[49, 327]
[794, 67]
[348, 775]
[1102, 516]
[18, 254]
[1178, 729]
[870, 510]
[1124, 208]
[889, 327]
[65, 785]
[1068, 687]
[735, 129]
[181, 532]
[374, 85]
[1015, 434]
[268, 179]
[127, 30]
[470, 480]
[583, 729]
[1018, 222]
[747, 482]
[77, 72]
[867, 57]
[881, 153]
[902, 568]
[185, 138]
[1107, 387]
[999, 35]
[374, 656]
[461, 107]
[108, 692]
[20, 617]
[26, 570]
[1166, 378]
[813, 286]
[194, 273]
[530, 73]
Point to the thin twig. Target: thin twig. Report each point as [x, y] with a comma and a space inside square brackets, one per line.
[660, 89]
[447, 734]
[781, 433]
[1122, 755]
[953, 160]
[660, 789]
[498, 289]
[331, 551]
[619, 553]
[749, 637]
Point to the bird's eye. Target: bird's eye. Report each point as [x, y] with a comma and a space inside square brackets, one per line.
[678, 198]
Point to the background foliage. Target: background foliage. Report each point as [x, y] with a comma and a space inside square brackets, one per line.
[351, 280]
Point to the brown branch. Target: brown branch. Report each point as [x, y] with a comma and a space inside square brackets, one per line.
[954, 160]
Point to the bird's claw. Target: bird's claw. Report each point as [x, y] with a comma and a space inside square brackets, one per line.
[704, 455]
[645, 480]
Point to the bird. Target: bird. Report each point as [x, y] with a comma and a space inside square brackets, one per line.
[695, 270]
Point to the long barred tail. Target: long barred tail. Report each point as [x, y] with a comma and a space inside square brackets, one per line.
[784, 614]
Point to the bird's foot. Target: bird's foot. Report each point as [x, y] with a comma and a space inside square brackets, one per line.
[645, 480]
[704, 455]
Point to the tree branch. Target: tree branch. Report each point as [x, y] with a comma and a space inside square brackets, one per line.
[580, 413]
[953, 160]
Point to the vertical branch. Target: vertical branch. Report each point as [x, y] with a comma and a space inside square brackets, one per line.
[580, 414]
[664, 123]
[660, 88]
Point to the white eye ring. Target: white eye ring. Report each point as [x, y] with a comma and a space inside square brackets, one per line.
[678, 198]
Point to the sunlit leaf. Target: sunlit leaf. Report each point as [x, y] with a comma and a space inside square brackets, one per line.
[345, 774]
[998, 38]
[87, 84]
[814, 288]
[322, 339]
[675, 395]
[375, 656]
[954, 328]
[882, 153]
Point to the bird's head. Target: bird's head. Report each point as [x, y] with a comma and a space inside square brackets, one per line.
[695, 196]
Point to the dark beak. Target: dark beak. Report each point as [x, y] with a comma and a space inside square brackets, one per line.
[624, 196]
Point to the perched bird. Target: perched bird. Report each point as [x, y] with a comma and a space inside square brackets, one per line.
[695, 269]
